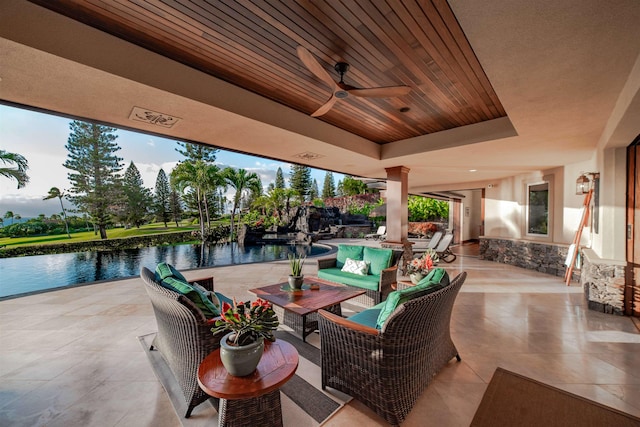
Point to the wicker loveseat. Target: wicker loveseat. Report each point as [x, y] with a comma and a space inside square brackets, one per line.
[377, 282]
[184, 337]
[388, 368]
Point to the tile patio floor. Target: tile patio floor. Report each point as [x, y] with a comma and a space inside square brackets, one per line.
[72, 357]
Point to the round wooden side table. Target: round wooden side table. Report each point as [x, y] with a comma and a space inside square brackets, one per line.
[254, 399]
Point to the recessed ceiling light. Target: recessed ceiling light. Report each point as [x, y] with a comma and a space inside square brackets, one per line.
[473, 170]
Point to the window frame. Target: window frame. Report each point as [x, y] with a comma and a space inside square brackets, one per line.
[528, 206]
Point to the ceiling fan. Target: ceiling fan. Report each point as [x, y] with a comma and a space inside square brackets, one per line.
[340, 89]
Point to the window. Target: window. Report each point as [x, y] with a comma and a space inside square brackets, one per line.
[538, 209]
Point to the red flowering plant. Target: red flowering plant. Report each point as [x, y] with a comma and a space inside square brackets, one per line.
[248, 321]
[424, 263]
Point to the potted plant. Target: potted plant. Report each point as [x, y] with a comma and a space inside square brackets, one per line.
[296, 277]
[249, 324]
[420, 267]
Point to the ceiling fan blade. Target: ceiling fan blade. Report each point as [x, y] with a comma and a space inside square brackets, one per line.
[325, 108]
[381, 92]
[314, 66]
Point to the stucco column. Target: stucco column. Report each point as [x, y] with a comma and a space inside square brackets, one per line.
[398, 214]
[397, 211]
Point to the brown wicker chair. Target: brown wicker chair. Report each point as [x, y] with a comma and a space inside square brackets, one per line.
[388, 369]
[184, 338]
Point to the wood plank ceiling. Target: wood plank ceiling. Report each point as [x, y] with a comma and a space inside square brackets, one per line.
[252, 44]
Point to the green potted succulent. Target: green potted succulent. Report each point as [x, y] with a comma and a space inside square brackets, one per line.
[249, 324]
[296, 277]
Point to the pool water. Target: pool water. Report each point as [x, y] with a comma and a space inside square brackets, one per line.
[24, 275]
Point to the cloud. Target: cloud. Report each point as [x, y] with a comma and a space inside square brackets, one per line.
[30, 206]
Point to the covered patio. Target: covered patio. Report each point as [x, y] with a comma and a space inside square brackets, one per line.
[505, 96]
[73, 357]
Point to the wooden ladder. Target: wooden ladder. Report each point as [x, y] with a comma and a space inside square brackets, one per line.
[575, 246]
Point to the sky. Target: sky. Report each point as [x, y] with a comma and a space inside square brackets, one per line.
[41, 139]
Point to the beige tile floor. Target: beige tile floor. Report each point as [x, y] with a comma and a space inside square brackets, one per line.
[72, 357]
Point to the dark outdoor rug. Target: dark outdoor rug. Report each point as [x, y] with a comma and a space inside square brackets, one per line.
[513, 399]
[303, 401]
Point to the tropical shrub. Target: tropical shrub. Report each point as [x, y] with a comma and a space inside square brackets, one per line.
[426, 209]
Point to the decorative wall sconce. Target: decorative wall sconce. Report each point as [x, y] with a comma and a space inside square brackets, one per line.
[585, 182]
[591, 181]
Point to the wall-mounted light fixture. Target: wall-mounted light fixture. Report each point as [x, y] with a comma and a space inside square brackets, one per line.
[591, 181]
[585, 182]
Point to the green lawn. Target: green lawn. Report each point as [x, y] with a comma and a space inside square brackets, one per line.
[112, 233]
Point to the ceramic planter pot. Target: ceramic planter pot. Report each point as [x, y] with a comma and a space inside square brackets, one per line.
[240, 360]
[295, 282]
[416, 277]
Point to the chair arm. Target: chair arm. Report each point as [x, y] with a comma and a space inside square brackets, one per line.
[205, 282]
[326, 263]
[346, 323]
[388, 280]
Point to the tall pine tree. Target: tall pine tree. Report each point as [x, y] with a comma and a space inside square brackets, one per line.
[162, 198]
[328, 187]
[175, 206]
[137, 198]
[314, 193]
[279, 183]
[94, 178]
[194, 152]
[300, 180]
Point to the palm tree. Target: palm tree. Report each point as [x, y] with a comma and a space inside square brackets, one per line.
[19, 172]
[241, 181]
[198, 177]
[55, 192]
[8, 215]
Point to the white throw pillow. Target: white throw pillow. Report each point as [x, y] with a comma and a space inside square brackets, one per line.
[356, 267]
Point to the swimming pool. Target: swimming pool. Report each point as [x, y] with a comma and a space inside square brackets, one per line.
[26, 275]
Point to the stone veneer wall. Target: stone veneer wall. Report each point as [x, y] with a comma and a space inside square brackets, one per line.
[603, 283]
[542, 257]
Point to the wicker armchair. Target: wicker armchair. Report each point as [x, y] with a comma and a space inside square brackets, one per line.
[388, 369]
[184, 338]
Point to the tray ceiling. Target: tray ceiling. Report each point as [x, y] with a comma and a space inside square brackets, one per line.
[253, 45]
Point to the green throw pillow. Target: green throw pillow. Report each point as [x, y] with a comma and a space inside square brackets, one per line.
[437, 280]
[197, 294]
[348, 251]
[164, 270]
[378, 258]
[435, 275]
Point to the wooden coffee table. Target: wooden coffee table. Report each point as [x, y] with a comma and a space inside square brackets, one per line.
[301, 307]
[253, 400]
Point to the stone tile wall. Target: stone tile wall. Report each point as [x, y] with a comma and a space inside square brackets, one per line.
[603, 283]
[542, 257]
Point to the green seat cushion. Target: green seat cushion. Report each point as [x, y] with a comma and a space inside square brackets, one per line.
[334, 274]
[369, 316]
[435, 280]
[378, 258]
[348, 251]
[207, 303]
